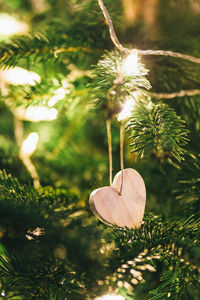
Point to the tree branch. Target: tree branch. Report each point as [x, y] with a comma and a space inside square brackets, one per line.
[181, 93]
[170, 53]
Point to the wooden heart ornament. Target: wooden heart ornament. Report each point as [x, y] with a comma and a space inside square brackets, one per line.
[125, 210]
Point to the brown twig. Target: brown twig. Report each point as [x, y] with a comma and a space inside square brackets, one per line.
[108, 124]
[181, 93]
[121, 154]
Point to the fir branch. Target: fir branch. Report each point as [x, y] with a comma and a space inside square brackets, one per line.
[37, 281]
[13, 191]
[157, 130]
[112, 85]
[45, 46]
[176, 283]
[170, 244]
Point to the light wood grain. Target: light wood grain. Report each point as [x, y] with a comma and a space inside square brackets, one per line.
[125, 210]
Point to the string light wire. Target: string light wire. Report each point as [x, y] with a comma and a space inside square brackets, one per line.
[122, 153]
[108, 125]
[187, 57]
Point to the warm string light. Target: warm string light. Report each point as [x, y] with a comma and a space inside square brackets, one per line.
[29, 145]
[17, 76]
[10, 26]
[26, 150]
[129, 67]
[36, 113]
[20, 76]
[3, 293]
[128, 106]
[59, 94]
[110, 297]
[130, 64]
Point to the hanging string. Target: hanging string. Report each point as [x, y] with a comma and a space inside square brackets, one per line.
[108, 125]
[121, 153]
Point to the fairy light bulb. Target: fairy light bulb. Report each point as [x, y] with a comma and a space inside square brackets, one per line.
[19, 75]
[59, 94]
[127, 109]
[10, 26]
[111, 297]
[36, 113]
[29, 145]
[130, 64]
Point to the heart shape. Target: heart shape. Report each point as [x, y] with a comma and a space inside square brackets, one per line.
[125, 210]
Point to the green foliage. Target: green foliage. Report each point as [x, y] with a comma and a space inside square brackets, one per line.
[156, 129]
[51, 246]
[113, 84]
[49, 224]
[41, 47]
[158, 243]
[35, 220]
[187, 189]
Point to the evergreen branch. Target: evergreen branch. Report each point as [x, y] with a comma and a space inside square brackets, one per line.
[13, 191]
[176, 283]
[48, 45]
[113, 86]
[188, 188]
[177, 280]
[157, 129]
[36, 281]
[181, 93]
[171, 244]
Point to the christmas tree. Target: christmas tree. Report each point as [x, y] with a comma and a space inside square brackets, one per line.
[91, 88]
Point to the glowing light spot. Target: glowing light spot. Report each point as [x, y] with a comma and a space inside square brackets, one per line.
[150, 105]
[134, 281]
[130, 64]
[19, 75]
[59, 94]
[111, 297]
[127, 109]
[10, 26]
[31, 234]
[36, 113]
[3, 293]
[29, 144]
